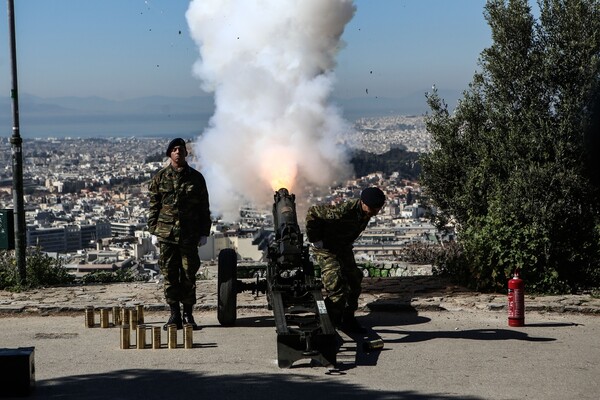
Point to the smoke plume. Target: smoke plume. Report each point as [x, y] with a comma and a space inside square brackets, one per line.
[270, 66]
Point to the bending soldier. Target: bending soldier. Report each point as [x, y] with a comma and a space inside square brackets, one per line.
[179, 217]
[332, 229]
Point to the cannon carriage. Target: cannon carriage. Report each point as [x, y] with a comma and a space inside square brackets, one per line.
[294, 294]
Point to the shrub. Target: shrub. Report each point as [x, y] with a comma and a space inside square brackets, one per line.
[41, 270]
[121, 275]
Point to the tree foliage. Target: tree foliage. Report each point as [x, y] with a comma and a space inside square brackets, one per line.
[514, 165]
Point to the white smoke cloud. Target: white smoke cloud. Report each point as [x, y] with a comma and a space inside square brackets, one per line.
[270, 65]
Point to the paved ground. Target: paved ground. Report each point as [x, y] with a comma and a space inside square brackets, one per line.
[440, 342]
[438, 355]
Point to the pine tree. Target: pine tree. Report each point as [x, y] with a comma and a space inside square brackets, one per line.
[511, 164]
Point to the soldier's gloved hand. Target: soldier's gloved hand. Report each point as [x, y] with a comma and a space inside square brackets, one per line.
[203, 240]
[154, 240]
[319, 244]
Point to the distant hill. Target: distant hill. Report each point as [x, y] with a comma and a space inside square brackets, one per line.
[399, 160]
[374, 106]
[39, 106]
[163, 115]
[95, 116]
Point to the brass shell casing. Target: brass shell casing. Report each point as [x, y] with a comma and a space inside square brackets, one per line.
[125, 336]
[89, 317]
[141, 337]
[133, 318]
[156, 337]
[172, 336]
[140, 313]
[104, 318]
[124, 316]
[188, 336]
[116, 315]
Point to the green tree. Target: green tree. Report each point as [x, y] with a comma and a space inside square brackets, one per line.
[509, 165]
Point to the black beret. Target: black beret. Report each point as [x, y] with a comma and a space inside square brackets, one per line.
[373, 197]
[174, 143]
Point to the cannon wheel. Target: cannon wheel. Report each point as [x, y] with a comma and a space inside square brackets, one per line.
[226, 294]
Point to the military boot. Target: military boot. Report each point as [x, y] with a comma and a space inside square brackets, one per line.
[350, 323]
[188, 318]
[175, 317]
[335, 314]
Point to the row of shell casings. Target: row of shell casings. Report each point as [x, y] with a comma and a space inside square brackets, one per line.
[156, 343]
[131, 316]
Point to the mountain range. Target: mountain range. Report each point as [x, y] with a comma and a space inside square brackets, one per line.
[162, 115]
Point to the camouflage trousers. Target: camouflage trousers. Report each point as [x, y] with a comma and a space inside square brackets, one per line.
[341, 277]
[179, 265]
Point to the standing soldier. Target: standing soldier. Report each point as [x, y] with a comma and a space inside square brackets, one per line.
[179, 217]
[332, 229]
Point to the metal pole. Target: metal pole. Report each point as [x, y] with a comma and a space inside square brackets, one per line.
[17, 154]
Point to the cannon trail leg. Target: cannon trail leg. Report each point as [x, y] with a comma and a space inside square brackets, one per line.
[317, 341]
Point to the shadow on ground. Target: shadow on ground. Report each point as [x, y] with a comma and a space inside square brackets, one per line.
[410, 316]
[168, 384]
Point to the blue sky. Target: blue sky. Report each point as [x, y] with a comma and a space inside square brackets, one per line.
[125, 49]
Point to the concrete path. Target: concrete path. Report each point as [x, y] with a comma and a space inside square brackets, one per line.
[469, 354]
[440, 342]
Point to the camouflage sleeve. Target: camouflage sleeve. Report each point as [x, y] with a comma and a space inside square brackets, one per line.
[155, 204]
[205, 221]
[316, 217]
[323, 221]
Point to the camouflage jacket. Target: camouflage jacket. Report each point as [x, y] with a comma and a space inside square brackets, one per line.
[338, 226]
[179, 208]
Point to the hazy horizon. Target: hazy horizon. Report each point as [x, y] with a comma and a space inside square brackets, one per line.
[162, 115]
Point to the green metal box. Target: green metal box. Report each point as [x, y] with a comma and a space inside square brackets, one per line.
[7, 229]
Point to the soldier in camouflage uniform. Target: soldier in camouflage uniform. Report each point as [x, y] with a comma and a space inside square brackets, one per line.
[332, 229]
[179, 217]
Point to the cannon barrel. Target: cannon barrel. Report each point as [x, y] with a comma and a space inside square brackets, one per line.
[287, 246]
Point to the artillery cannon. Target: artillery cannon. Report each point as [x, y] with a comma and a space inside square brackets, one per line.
[294, 294]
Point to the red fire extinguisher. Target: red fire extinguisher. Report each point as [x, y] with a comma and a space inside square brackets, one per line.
[516, 301]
